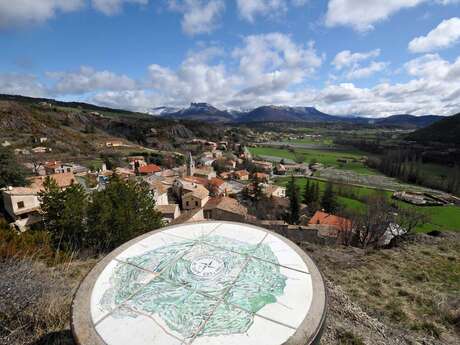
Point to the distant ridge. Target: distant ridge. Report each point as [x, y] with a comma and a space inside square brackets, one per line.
[446, 131]
[207, 113]
[271, 113]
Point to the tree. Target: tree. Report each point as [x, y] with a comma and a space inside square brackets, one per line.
[328, 201]
[294, 203]
[64, 214]
[257, 189]
[11, 172]
[307, 193]
[408, 218]
[371, 226]
[121, 212]
[315, 191]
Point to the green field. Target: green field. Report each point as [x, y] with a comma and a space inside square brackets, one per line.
[328, 158]
[318, 141]
[442, 218]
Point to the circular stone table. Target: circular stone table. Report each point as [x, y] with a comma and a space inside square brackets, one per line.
[205, 283]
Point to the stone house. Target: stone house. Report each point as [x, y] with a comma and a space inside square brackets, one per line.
[264, 166]
[261, 177]
[149, 169]
[22, 204]
[219, 187]
[207, 172]
[242, 175]
[169, 212]
[57, 167]
[271, 190]
[225, 208]
[196, 198]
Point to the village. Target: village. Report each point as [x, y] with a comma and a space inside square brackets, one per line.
[221, 182]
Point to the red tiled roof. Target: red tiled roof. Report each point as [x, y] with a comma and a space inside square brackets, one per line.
[323, 218]
[149, 169]
[227, 204]
[63, 180]
[217, 182]
[198, 180]
[241, 173]
[261, 175]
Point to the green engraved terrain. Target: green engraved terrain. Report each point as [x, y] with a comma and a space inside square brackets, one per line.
[207, 280]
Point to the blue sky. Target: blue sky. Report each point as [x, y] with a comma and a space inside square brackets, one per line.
[346, 57]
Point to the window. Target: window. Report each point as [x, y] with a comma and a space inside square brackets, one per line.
[21, 204]
[187, 203]
[196, 203]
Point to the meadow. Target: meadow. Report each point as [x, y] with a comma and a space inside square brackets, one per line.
[351, 198]
[328, 158]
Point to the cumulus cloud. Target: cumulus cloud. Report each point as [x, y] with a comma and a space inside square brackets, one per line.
[279, 75]
[263, 69]
[86, 79]
[274, 62]
[249, 9]
[361, 15]
[446, 34]
[21, 84]
[346, 58]
[199, 16]
[112, 7]
[21, 12]
[352, 64]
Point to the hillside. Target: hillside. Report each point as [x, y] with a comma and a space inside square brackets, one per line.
[405, 295]
[446, 131]
[408, 121]
[79, 128]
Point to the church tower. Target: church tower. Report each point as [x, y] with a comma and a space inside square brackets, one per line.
[190, 165]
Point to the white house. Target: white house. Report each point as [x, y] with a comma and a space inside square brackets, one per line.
[22, 205]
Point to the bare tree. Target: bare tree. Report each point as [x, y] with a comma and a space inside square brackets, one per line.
[374, 223]
[347, 232]
[409, 218]
[37, 163]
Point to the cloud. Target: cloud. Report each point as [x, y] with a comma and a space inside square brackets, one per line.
[446, 34]
[365, 72]
[249, 9]
[346, 58]
[274, 62]
[199, 16]
[113, 7]
[86, 79]
[279, 75]
[362, 14]
[21, 84]
[262, 69]
[22, 12]
[351, 64]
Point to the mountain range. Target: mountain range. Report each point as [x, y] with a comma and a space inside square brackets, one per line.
[270, 113]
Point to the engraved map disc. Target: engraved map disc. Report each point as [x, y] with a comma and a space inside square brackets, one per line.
[206, 283]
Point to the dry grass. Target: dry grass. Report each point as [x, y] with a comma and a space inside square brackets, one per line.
[413, 289]
[35, 300]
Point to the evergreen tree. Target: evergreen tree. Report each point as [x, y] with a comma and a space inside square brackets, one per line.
[121, 212]
[11, 172]
[294, 201]
[328, 201]
[315, 192]
[64, 214]
[258, 194]
[307, 193]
